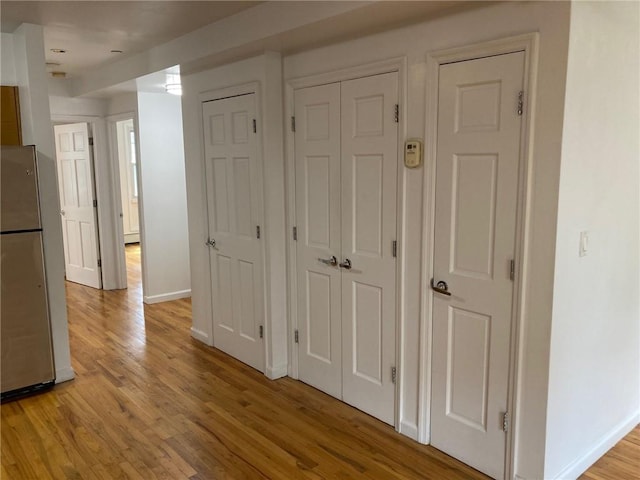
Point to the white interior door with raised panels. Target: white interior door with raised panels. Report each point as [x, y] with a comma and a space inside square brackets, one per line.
[128, 180]
[234, 179]
[77, 210]
[346, 172]
[476, 196]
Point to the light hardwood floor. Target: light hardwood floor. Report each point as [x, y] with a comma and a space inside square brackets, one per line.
[149, 402]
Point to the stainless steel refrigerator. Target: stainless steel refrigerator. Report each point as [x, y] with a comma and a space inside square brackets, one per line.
[25, 330]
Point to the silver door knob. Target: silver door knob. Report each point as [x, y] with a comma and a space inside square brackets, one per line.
[210, 242]
[440, 287]
[333, 261]
[346, 264]
[61, 212]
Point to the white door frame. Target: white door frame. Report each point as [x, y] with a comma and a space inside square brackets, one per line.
[117, 235]
[399, 65]
[528, 44]
[219, 94]
[102, 174]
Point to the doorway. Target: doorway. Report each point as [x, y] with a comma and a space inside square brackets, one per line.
[346, 140]
[78, 204]
[234, 212]
[127, 162]
[476, 197]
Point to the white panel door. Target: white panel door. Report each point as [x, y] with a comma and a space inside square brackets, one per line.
[346, 169]
[77, 211]
[317, 148]
[476, 196]
[128, 180]
[369, 175]
[234, 192]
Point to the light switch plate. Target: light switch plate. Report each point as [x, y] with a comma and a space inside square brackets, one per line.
[584, 244]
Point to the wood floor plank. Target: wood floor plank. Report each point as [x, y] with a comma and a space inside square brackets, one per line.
[150, 402]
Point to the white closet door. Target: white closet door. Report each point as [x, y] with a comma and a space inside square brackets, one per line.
[369, 184]
[476, 196]
[317, 148]
[234, 179]
[77, 210]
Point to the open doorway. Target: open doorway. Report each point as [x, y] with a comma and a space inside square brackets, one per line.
[127, 163]
[123, 136]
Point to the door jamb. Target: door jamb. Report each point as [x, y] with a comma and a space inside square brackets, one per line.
[219, 94]
[527, 43]
[399, 65]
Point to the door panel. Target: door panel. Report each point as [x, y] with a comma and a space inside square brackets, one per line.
[76, 190]
[476, 196]
[369, 185]
[346, 171]
[233, 179]
[317, 148]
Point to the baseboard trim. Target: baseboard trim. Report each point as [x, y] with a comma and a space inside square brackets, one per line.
[409, 430]
[64, 374]
[273, 373]
[201, 336]
[166, 297]
[580, 465]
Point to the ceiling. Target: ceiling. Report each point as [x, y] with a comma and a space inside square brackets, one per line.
[89, 30]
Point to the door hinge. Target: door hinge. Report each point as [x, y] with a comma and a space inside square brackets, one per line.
[505, 422]
[396, 115]
[255, 126]
[394, 248]
[95, 204]
[520, 102]
[91, 141]
[293, 124]
[258, 231]
[99, 263]
[261, 330]
[295, 233]
[296, 337]
[393, 374]
[512, 270]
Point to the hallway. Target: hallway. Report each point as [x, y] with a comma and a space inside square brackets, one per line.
[148, 402]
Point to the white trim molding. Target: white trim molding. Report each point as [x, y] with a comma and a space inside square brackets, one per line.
[166, 297]
[527, 43]
[617, 433]
[64, 375]
[202, 336]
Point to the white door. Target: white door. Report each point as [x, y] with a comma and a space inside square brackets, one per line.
[128, 180]
[476, 197]
[317, 150]
[77, 210]
[369, 173]
[234, 193]
[346, 166]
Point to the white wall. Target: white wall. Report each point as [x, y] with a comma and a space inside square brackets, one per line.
[594, 378]
[7, 64]
[31, 78]
[267, 71]
[122, 103]
[163, 203]
[495, 21]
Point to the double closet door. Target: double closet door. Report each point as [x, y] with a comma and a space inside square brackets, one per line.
[346, 157]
